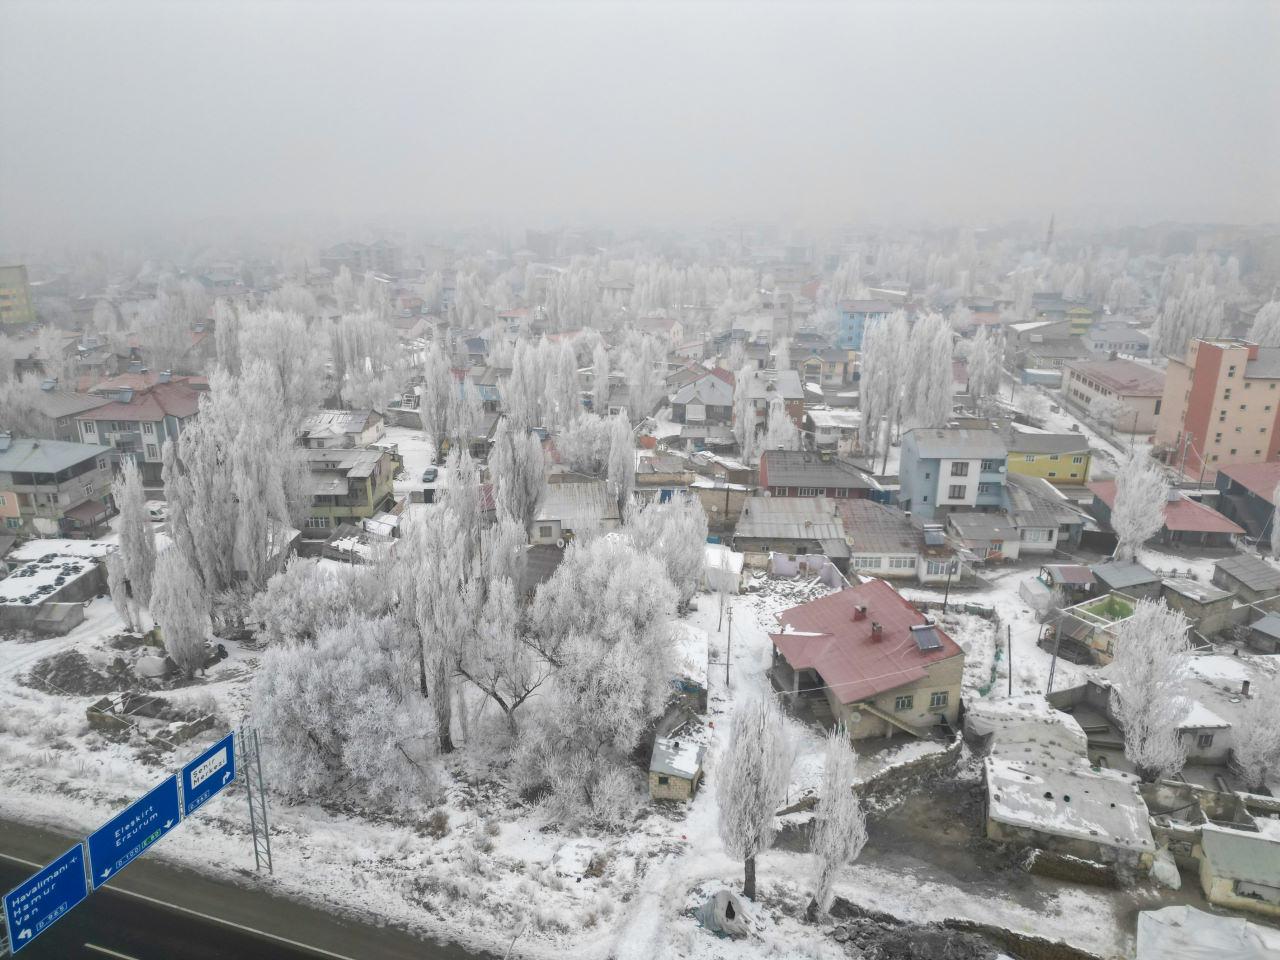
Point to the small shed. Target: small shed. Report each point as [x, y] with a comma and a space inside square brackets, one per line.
[675, 770]
[1247, 576]
[1127, 577]
[1240, 870]
[1208, 608]
[1074, 580]
[1264, 635]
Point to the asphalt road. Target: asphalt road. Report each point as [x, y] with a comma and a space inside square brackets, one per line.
[154, 911]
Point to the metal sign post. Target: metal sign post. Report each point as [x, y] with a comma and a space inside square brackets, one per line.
[251, 755]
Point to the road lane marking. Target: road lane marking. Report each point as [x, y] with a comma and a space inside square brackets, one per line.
[318, 951]
[108, 952]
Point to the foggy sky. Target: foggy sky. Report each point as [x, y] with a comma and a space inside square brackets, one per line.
[117, 114]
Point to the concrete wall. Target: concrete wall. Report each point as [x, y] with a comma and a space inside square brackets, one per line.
[676, 788]
[944, 675]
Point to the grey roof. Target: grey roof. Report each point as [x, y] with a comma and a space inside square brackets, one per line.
[66, 403]
[575, 504]
[1027, 441]
[349, 463]
[1237, 855]
[801, 468]
[983, 526]
[1268, 626]
[709, 390]
[1266, 367]
[1254, 572]
[1195, 590]
[954, 443]
[337, 421]
[44, 456]
[1118, 574]
[867, 306]
[1034, 503]
[875, 528]
[784, 383]
[789, 518]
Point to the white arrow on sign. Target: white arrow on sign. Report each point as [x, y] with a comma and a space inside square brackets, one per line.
[226, 776]
[106, 873]
[24, 934]
[168, 824]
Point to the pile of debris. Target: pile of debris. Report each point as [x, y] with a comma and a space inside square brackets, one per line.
[70, 672]
[881, 937]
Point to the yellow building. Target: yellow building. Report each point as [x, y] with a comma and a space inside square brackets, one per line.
[347, 486]
[1081, 319]
[15, 297]
[1060, 458]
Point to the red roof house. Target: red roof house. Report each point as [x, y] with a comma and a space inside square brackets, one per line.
[866, 657]
[1185, 520]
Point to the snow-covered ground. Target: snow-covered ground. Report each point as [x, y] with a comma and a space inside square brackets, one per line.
[487, 868]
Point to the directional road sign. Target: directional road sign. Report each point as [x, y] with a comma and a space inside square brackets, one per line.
[124, 837]
[32, 906]
[205, 776]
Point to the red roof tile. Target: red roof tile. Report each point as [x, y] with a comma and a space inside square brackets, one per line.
[1259, 479]
[152, 405]
[827, 638]
[1183, 514]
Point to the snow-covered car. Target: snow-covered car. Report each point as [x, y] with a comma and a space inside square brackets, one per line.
[157, 511]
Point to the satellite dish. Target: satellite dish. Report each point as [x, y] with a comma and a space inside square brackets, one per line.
[855, 717]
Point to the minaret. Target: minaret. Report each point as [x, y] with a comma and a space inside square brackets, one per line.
[1048, 237]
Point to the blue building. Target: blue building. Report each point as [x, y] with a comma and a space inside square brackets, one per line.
[854, 317]
[951, 469]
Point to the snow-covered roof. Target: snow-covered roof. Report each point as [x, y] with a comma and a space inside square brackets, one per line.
[1200, 717]
[1189, 934]
[1069, 800]
[676, 758]
[1016, 723]
[35, 549]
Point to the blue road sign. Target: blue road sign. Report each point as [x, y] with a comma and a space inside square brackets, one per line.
[32, 906]
[205, 776]
[124, 837]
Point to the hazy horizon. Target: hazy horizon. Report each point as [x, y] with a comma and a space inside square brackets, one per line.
[139, 116]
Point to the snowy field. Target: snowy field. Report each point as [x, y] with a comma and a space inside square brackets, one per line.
[487, 868]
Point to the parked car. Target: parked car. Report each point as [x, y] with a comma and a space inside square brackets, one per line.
[157, 511]
[429, 475]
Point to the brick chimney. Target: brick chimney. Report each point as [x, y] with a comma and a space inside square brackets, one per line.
[877, 631]
[1244, 688]
[860, 612]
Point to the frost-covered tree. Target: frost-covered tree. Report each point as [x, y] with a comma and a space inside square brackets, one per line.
[523, 392]
[137, 536]
[466, 414]
[600, 380]
[931, 362]
[676, 534]
[563, 398]
[1147, 687]
[986, 358]
[292, 355]
[307, 597]
[840, 825]
[462, 498]
[337, 716]
[121, 596]
[603, 622]
[1265, 330]
[752, 776]
[782, 354]
[293, 298]
[1275, 521]
[584, 445]
[436, 394]
[180, 607]
[22, 406]
[1105, 410]
[622, 463]
[1255, 738]
[226, 335]
[1142, 492]
[1194, 312]
[432, 571]
[780, 430]
[745, 418]
[518, 471]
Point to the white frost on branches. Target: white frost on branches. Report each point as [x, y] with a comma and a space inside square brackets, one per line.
[1142, 492]
[780, 432]
[840, 825]
[1265, 331]
[676, 533]
[1147, 677]
[517, 468]
[1256, 737]
[622, 463]
[180, 607]
[137, 536]
[752, 776]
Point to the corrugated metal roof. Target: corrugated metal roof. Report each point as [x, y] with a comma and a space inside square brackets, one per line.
[45, 456]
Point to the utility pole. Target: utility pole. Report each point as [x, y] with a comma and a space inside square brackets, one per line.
[946, 594]
[1009, 634]
[729, 653]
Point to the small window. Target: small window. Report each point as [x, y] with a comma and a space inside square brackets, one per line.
[1247, 384]
[925, 498]
[2, 500]
[905, 702]
[316, 523]
[13, 523]
[1233, 451]
[1217, 438]
[960, 469]
[928, 475]
[152, 452]
[1077, 460]
[1226, 394]
[1053, 456]
[1244, 406]
[1053, 473]
[149, 429]
[544, 532]
[663, 781]
[1029, 458]
[939, 698]
[955, 492]
[1204, 741]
